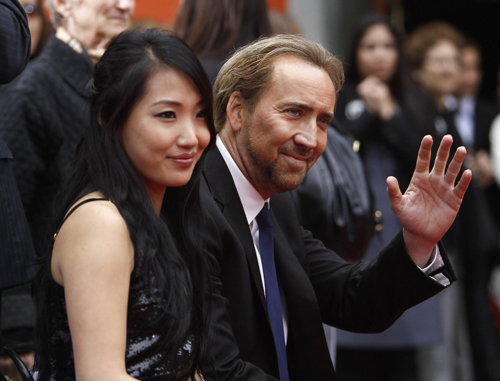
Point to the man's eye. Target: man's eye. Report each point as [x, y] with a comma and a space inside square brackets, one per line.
[167, 115]
[294, 112]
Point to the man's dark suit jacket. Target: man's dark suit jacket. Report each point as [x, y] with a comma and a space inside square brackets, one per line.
[318, 287]
[15, 41]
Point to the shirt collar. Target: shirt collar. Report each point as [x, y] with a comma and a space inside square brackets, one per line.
[251, 200]
[467, 104]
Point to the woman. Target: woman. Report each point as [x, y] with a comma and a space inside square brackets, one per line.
[377, 106]
[122, 296]
[214, 28]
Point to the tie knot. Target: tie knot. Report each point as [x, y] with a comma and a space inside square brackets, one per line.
[264, 217]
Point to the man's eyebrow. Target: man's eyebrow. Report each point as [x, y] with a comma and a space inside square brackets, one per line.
[305, 106]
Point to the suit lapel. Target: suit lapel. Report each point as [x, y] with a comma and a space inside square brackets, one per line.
[223, 190]
[304, 318]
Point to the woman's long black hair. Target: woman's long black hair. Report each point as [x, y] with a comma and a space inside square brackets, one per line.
[168, 255]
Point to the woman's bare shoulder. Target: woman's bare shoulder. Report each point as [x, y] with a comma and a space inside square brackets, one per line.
[94, 234]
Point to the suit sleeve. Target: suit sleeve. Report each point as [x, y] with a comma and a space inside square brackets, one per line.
[368, 297]
[15, 40]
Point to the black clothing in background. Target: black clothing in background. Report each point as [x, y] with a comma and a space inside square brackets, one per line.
[44, 115]
[15, 40]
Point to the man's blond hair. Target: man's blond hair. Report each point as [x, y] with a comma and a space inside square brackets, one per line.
[250, 68]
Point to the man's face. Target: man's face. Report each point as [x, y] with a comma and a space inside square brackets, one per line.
[472, 74]
[286, 132]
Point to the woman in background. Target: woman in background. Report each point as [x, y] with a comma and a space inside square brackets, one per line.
[377, 106]
[123, 294]
[214, 28]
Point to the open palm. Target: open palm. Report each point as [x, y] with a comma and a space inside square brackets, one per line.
[430, 204]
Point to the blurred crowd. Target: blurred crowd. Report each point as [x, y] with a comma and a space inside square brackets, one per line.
[398, 89]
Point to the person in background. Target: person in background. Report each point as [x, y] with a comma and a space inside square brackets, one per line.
[40, 27]
[16, 40]
[377, 106]
[435, 56]
[123, 295]
[16, 247]
[474, 117]
[214, 28]
[273, 284]
[44, 114]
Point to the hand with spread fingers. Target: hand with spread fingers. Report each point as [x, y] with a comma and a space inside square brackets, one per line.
[430, 204]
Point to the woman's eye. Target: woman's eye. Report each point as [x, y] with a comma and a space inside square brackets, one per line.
[167, 115]
[202, 114]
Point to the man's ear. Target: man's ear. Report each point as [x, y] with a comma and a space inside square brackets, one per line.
[63, 7]
[235, 110]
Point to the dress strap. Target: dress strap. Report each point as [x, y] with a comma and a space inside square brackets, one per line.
[77, 206]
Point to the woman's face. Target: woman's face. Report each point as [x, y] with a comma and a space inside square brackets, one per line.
[377, 53]
[166, 132]
[441, 69]
[95, 22]
[35, 21]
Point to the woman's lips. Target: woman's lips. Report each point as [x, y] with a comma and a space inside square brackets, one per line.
[185, 159]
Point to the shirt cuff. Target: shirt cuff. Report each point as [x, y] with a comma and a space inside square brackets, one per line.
[436, 263]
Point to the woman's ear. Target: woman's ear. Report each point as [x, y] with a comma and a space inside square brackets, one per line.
[234, 111]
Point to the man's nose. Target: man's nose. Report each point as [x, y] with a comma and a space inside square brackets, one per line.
[308, 136]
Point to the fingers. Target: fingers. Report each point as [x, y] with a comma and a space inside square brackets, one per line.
[442, 155]
[424, 155]
[393, 189]
[455, 165]
[463, 184]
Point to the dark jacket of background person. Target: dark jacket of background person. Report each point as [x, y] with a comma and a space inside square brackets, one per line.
[15, 242]
[15, 40]
[44, 115]
[334, 201]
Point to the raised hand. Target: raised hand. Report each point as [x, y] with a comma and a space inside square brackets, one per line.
[432, 200]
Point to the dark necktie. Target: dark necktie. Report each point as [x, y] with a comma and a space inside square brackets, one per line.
[266, 248]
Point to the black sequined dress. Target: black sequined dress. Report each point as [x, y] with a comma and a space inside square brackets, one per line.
[144, 358]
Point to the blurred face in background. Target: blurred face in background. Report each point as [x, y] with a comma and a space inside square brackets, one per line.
[95, 22]
[377, 53]
[472, 74]
[34, 11]
[441, 69]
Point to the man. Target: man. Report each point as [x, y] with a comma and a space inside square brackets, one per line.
[274, 100]
[474, 115]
